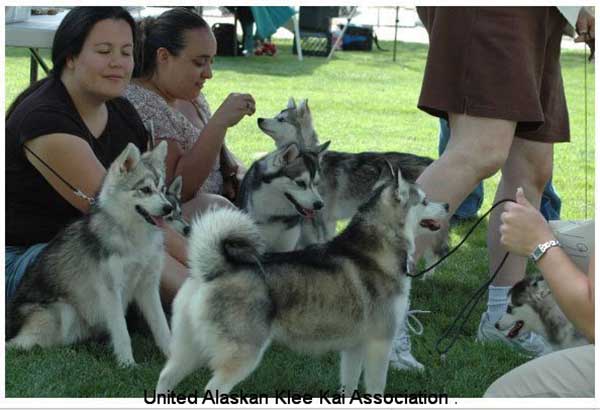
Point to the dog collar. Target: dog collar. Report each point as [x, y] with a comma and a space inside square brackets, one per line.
[542, 248]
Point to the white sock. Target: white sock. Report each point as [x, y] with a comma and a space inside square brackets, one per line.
[497, 302]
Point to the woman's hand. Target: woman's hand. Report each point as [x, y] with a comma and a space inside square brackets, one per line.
[523, 226]
[233, 109]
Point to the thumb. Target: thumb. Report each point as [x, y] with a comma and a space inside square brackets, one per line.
[520, 197]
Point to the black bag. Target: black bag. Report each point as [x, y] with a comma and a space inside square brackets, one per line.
[358, 38]
[226, 39]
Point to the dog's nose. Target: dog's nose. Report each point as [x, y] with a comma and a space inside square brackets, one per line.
[167, 209]
[447, 207]
[317, 205]
[186, 231]
[496, 326]
[260, 120]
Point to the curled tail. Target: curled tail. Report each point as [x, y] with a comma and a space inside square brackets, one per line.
[221, 240]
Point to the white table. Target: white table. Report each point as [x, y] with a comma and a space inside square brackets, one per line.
[38, 32]
[34, 33]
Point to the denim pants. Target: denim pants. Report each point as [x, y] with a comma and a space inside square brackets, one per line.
[17, 260]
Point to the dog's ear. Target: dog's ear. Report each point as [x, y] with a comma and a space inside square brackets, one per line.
[303, 109]
[127, 160]
[287, 155]
[291, 103]
[402, 188]
[411, 266]
[157, 155]
[176, 186]
[321, 149]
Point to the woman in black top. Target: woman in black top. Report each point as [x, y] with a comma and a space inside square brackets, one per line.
[76, 121]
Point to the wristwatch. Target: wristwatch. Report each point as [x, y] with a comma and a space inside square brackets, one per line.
[542, 248]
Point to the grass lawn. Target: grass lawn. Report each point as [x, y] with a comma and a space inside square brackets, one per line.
[360, 101]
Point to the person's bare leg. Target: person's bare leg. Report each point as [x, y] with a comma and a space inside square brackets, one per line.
[174, 274]
[202, 202]
[529, 165]
[477, 149]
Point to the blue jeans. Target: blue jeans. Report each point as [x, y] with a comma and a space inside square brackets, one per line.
[549, 207]
[17, 260]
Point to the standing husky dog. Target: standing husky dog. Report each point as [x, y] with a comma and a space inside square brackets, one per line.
[533, 308]
[84, 279]
[279, 191]
[347, 179]
[345, 295]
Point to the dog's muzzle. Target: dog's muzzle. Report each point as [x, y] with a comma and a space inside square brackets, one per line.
[307, 213]
[153, 220]
[430, 224]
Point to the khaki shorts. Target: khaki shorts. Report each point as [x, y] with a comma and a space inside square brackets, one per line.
[497, 62]
[565, 373]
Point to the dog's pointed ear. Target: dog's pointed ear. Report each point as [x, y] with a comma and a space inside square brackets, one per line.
[157, 155]
[321, 149]
[402, 188]
[392, 172]
[303, 109]
[411, 266]
[127, 160]
[176, 186]
[287, 155]
[291, 103]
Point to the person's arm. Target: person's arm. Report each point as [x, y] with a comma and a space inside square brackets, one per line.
[73, 159]
[176, 245]
[572, 289]
[522, 229]
[196, 164]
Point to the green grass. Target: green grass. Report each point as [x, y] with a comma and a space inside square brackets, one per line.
[360, 101]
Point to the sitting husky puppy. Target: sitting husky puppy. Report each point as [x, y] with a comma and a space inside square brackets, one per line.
[533, 308]
[175, 219]
[84, 279]
[279, 191]
[347, 179]
[345, 295]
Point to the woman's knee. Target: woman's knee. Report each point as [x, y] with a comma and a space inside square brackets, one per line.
[203, 202]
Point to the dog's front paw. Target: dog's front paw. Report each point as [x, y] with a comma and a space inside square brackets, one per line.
[126, 362]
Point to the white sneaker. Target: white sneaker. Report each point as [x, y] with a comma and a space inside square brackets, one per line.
[530, 343]
[401, 357]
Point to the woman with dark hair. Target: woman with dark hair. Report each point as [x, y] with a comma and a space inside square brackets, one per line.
[174, 55]
[72, 124]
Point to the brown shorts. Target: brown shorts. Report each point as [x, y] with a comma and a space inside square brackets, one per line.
[497, 62]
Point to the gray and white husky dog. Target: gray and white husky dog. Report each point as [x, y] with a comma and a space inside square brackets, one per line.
[347, 179]
[533, 308]
[280, 191]
[85, 278]
[345, 295]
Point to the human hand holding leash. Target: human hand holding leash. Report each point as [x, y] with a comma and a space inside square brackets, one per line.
[585, 29]
[523, 226]
[233, 109]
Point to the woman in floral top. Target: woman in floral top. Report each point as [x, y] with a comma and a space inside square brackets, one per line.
[174, 55]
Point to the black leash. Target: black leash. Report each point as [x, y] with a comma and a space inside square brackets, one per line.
[416, 275]
[76, 191]
[470, 305]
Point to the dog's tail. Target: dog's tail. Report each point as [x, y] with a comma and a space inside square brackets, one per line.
[221, 240]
